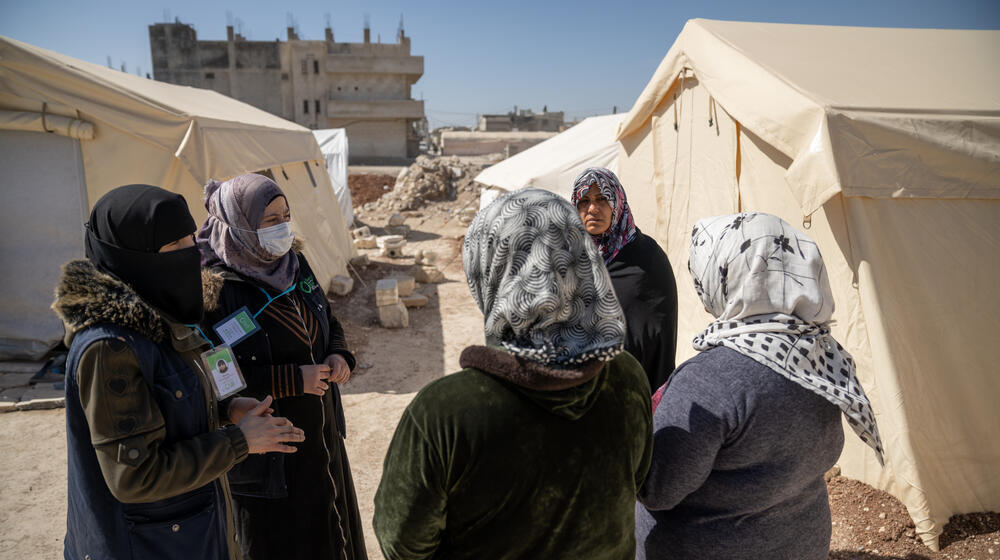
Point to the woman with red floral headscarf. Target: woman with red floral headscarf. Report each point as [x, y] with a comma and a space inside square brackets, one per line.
[639, 270]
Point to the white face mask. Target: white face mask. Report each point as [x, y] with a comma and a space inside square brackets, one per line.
[276, 240]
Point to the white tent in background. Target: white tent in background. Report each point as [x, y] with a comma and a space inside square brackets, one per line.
[333, 144]
[108, 128]
[553, 164]
[885, 145]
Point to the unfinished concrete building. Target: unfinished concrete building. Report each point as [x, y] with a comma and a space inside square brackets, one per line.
[363, 87]
[524, 120]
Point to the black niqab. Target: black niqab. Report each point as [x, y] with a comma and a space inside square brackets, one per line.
[127, 228]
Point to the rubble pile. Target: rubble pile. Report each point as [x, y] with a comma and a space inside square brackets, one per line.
[429, 179]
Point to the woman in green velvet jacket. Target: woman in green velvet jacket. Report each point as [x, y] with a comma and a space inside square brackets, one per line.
[538, 446]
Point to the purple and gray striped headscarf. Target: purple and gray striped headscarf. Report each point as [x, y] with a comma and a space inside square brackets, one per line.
[622, 230]
[229, 235]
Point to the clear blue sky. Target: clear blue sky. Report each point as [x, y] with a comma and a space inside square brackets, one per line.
[580, 56]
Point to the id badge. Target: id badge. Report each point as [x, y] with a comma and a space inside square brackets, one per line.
[236, 327]
[221, 365]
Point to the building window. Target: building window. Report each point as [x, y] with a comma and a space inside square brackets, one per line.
[305, 106]
[338, 88]
[315, 67]
[355, 88]
[209, 75]
[317, 106]
[284, 75]
[305, 66]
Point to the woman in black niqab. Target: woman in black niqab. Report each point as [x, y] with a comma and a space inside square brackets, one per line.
[127, 229]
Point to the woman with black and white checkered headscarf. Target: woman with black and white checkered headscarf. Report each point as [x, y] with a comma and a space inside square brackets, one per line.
[744, 431]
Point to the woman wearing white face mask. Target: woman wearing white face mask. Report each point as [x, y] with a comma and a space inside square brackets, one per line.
[304, 507]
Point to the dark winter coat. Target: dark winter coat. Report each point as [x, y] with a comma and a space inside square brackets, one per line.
[645, 286]
[304, 504]
[146, 452]
[482, 465]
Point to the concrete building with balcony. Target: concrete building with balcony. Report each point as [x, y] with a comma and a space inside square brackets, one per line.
[362, 87]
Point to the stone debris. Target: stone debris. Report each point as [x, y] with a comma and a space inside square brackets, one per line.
[425, 257]
[341, 285]
[360, 261]
[430, 179]
[360, 232]
[391, 246]
[427, 274]
[369, 242]
[397, 220]
[404, 284]
[386, 292]
[414, 300]
[394, 316]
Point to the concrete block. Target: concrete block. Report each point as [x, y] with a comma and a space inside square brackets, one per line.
[9, 380]
[391, 241]
[369, 242]
[386, 292]
[363, 231]
[427, 274]
[401, 230]
[425, 257]
[414, 300]
[42, 404]
[406, 284]
[393, 252]
[341, 285]
[397, 220]
[360, 261]
[394, 316]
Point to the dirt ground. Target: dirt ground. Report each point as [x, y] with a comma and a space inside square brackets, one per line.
[393, 366]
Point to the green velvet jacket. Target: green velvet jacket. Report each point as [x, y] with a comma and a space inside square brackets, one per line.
[509, 459]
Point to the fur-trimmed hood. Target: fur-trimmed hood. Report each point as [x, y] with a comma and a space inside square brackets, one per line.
[563, 392]
[85, 297]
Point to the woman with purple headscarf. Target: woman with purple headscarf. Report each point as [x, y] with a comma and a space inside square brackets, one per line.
[291, 346]
[639, 270]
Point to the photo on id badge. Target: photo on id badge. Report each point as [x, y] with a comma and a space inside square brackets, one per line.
[226, 377]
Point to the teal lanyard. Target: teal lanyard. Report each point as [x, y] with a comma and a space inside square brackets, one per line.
[271, 299]
[197, 328]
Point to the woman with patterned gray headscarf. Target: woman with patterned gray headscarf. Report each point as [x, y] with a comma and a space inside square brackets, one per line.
[745, 430]
[639, 269]
[537, 447]
[287, 507]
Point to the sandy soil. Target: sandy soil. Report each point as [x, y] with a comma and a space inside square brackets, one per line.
[393, 366]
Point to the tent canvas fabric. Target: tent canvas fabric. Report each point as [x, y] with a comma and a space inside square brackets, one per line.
[333, 144]
[143, 131]
[554, 164]
[884, 145]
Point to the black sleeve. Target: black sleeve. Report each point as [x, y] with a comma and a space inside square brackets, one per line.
[337, 343]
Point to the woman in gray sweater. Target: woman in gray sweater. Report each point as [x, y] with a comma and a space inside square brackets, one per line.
[744, 431]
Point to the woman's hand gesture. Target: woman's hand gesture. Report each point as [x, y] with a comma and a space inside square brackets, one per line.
[265, 433]
[314, 379]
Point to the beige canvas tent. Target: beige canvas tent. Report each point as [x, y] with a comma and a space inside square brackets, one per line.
[70, 131]
[884, 144]
[553, 164]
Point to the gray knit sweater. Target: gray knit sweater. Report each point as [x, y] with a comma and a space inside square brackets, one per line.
[739, 454]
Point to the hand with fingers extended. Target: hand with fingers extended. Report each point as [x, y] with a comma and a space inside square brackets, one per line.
[265, 433]
[239, 406]
[314, 379]
[340, 372]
